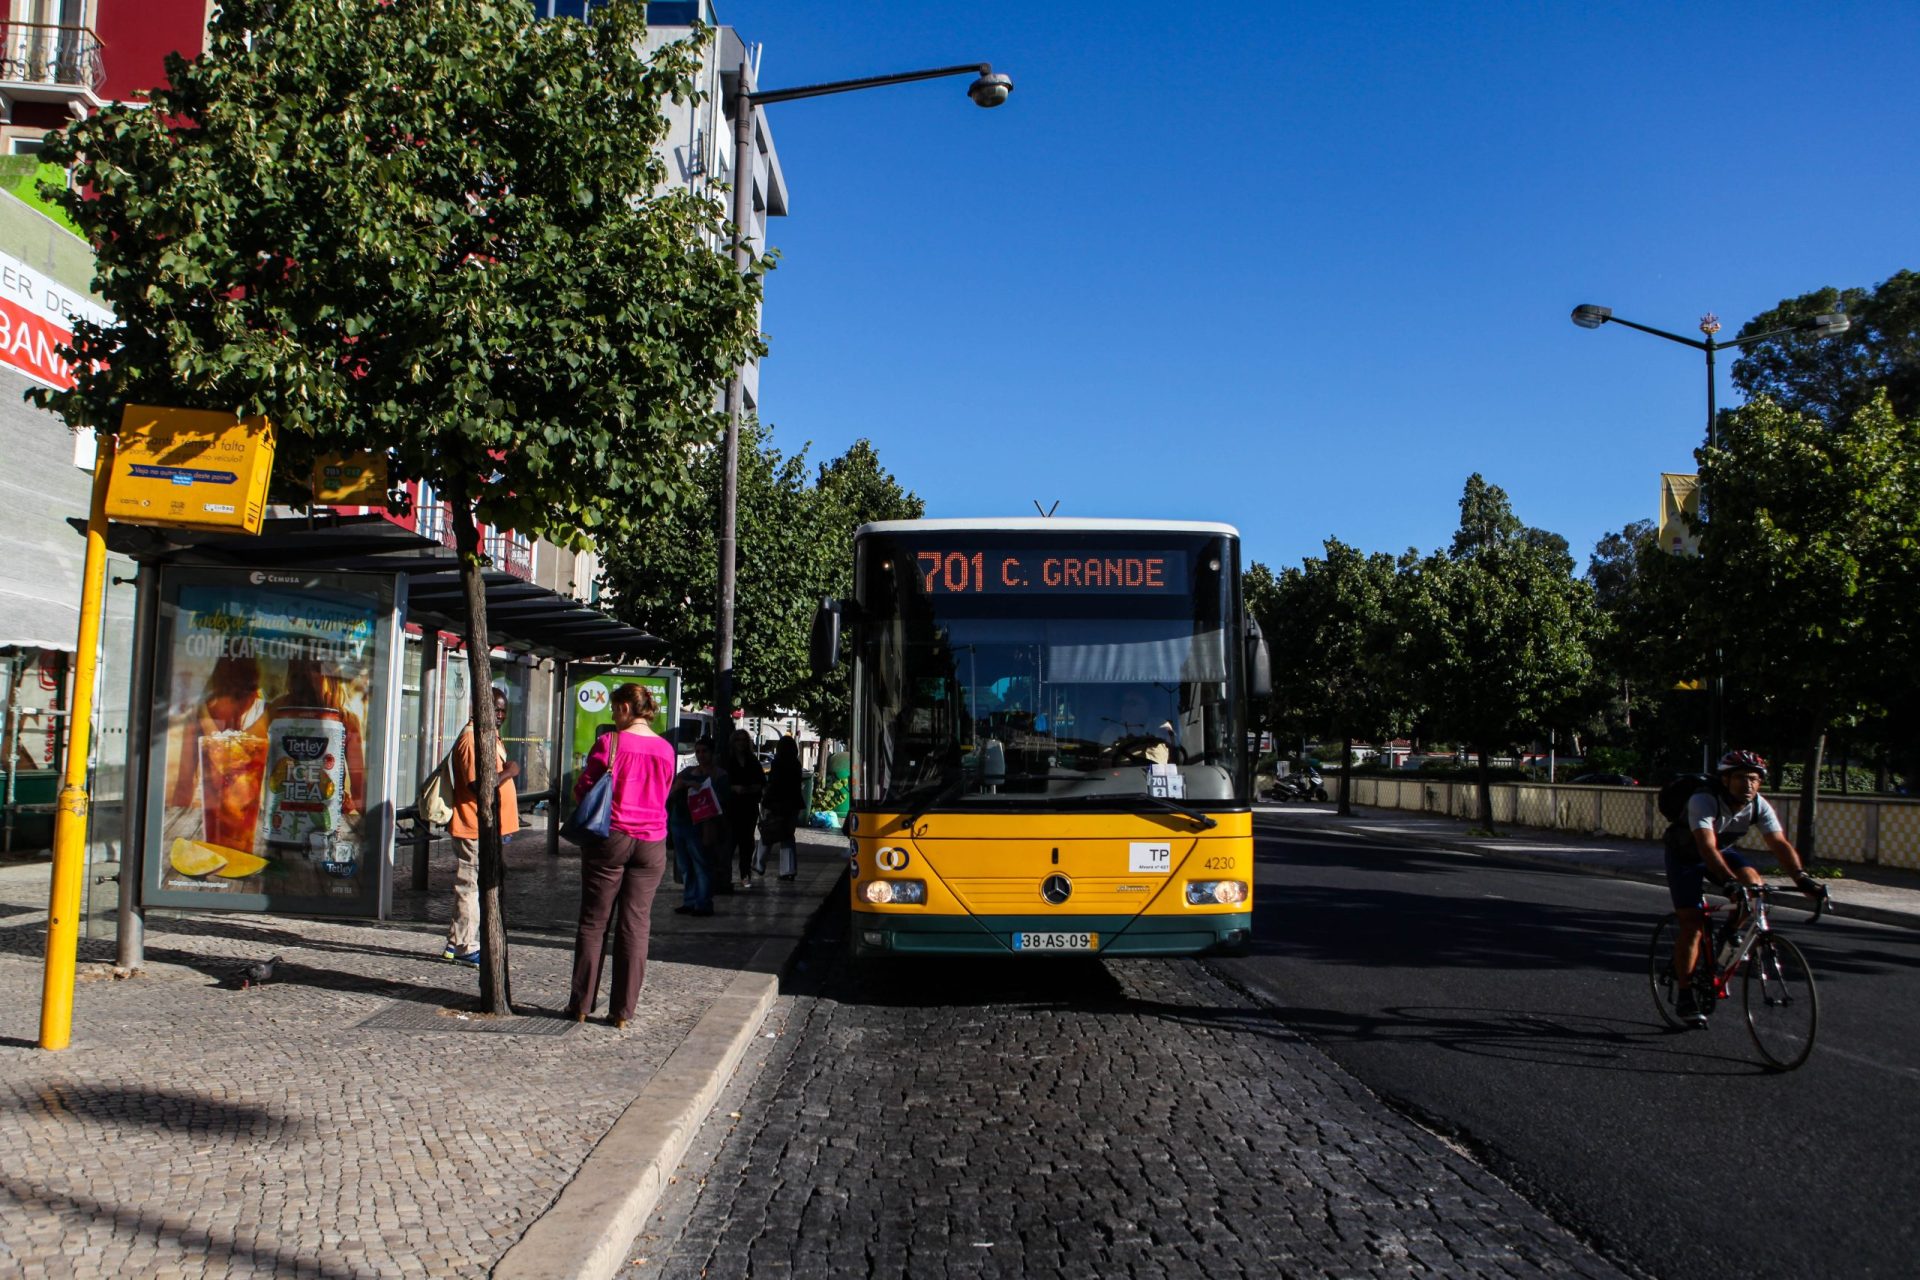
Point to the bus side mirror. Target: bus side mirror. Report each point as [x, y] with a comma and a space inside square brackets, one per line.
[1259, 662]
[823, 648]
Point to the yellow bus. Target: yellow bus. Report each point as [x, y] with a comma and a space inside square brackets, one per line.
[1050, 748]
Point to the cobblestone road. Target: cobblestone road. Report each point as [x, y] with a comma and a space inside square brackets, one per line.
[1074, 1119]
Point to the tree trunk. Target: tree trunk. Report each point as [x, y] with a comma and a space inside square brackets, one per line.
[1803, 837]
[1484, 776]
[1346, 774]
[496, 994]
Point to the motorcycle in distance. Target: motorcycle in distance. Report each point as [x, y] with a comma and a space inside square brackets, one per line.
[1304, 785]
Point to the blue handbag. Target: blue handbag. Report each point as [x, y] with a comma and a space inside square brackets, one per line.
[592, 818]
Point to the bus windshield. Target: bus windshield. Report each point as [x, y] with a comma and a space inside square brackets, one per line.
[1003, 668]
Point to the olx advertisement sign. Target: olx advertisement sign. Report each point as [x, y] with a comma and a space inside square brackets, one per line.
[590, 698]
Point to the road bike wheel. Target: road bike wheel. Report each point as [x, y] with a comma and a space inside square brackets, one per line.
[1782, 1004]
[1660, 972]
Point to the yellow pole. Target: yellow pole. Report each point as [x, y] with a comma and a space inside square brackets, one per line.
[70, 822]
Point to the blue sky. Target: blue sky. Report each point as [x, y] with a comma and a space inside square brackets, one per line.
[1303, 268]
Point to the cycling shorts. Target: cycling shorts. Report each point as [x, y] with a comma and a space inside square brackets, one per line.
[1687, 874]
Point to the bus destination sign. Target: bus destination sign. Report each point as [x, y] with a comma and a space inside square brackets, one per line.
[1001, 571]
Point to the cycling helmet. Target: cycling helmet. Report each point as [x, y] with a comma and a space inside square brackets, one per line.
[1743, 760]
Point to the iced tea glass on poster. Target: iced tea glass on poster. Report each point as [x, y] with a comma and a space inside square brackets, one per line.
[232, 764]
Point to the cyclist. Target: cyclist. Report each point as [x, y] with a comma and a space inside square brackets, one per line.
[1700, 845]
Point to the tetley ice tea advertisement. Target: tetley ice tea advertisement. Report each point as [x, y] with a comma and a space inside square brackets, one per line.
[268, 683]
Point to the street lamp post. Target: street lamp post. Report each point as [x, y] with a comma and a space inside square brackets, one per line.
[1830, 325]
[987, 90]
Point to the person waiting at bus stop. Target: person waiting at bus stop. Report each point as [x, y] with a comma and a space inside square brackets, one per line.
[746, 781]
[463, 930]
[693, 840]
[1700, 845]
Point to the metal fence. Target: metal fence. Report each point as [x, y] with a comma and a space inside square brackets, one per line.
[1874, 830]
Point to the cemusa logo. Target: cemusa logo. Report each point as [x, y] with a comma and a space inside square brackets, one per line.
[259, 578]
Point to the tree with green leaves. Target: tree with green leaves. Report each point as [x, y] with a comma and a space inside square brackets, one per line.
[1335, 627]
[1652, 657]
[437, 229]
[1499, 629]
[1813, 565]
[1831, 379]
[854, 489]
[663, 576]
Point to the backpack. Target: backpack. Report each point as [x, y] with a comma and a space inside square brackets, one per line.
[1673, 797]
[435, 805]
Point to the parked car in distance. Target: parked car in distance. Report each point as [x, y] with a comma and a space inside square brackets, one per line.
[1606, 780]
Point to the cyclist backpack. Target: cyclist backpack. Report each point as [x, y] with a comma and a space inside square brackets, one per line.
[1674, 796]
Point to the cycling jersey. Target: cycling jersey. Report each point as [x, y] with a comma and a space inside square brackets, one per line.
[1710, 810]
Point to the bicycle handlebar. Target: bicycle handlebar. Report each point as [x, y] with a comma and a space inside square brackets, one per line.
[1823, 900]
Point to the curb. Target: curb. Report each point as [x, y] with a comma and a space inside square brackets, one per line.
[1840, 910]
[584, 1233]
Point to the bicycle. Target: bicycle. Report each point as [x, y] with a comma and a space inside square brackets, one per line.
[1777, 992]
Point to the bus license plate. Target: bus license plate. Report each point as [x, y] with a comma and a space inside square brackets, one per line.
[1056, 942]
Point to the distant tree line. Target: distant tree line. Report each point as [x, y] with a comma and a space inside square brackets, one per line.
[1804, 597]
[794, 540]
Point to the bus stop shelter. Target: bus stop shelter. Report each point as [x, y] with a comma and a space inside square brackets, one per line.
[290, 692]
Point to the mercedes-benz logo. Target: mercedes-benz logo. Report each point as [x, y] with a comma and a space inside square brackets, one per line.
[1056, 889]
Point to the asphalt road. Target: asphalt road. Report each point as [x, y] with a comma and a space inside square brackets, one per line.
[1506, 1006]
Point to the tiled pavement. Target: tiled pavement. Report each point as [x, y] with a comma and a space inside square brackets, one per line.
[343, 1120]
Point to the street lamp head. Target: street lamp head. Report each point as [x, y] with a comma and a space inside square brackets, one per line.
[1588, 316]
[1830, 325]
[990, 90]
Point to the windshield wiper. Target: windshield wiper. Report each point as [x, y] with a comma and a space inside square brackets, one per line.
[1129, 797]
[1206, 823]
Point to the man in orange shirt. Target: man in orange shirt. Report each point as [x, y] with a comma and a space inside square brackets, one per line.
[463, 931]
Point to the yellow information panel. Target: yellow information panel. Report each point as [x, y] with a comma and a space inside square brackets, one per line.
[1679, 499]
[190, 469]
[351, 479]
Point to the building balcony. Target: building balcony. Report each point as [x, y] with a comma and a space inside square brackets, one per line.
[40, 62]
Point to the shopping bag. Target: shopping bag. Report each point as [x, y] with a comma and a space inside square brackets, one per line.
[702, 804]
[593, 817]
[435, 805]
[789, 860]
[759, 857]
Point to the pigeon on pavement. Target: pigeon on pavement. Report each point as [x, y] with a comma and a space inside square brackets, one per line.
[258, 973]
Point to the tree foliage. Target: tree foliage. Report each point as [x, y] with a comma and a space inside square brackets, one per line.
[1336, 629]
[1831, 379]
[1812, 556]
[1500, 629]
[856, 489]
[1652, 652]
[795, 548]
[434, 227]
[437, 229]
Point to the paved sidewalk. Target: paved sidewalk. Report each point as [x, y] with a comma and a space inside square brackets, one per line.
[353, 1117]
[1862, 893]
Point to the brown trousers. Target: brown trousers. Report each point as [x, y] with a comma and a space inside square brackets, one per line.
[627, 871]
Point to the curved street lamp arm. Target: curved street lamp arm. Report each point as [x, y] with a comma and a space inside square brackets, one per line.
[1695, 343]
[1803, 327]
[761, 98]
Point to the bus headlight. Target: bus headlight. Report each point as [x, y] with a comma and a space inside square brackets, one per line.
[883, 892]
[1210, 893]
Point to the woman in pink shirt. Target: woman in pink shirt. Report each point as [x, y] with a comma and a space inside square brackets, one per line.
[625, 867]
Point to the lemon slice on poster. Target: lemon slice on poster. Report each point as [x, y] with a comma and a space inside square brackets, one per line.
[239, 865]
[191, 858]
